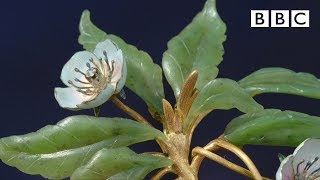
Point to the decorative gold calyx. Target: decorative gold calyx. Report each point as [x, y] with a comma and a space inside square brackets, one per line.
[188, 94]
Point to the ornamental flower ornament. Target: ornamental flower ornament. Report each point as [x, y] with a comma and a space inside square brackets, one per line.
[92, 78]
[303, 164]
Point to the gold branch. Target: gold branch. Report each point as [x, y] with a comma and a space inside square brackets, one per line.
[129, 111]
[221, 143]
[161, 173]
[243, 156]
[137, 117]
[224, 162]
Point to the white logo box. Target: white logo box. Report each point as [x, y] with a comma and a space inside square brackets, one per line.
[280, 18]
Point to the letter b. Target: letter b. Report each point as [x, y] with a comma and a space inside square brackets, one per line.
[259, 18]
[280, 18]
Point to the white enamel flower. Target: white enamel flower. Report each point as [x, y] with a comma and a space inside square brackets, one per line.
[92, 78]
[303, 164]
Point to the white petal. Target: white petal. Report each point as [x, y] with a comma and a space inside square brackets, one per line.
[100, 99]
[114, 54]
[118, 67]
[307, 151]
[78, 60]
[285, 171]
[122, 79]
[69, 98]
[110, 47]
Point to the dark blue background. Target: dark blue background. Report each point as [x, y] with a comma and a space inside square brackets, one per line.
[38, 37]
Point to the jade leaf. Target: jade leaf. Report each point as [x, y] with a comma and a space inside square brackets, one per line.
[55, 151]
[144, 77]
[221, 94]
[197, 47]
[119, 163]
[280, 80]
[272, 127]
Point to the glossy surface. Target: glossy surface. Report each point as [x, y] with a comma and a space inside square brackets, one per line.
[281, 80]
[272, 127]
[92, 78]
[221, 94]
[197, 47]
[56, 151]
[144, 77]
[119, 163]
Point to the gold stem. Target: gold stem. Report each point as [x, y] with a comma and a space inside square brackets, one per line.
[161, 173]
[224, 162]
[190, 129]
[135, 116]
[243, 156]
[155, 154]
[221, 142]
[129, 111]
[197, 159]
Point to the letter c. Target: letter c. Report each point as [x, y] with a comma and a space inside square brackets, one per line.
[296, 16]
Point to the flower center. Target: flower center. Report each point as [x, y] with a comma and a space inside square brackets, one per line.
[96, 77]
[305, 175]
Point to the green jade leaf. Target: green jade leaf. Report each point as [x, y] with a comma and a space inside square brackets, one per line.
[56, 151]
[223, 94]
[144, 77]
[272, 127]
[120, 163]
[280, 80]
[197, 47]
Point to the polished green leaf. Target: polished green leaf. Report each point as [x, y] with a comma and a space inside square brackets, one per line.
[120, 163]
[280, 80]
[221, 94]
[197, 47]
[272, 127]
[144, 77]
[55, 151]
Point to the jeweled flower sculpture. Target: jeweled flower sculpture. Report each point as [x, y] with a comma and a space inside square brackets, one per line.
[303, 164]
[98, 147]
[92, 78]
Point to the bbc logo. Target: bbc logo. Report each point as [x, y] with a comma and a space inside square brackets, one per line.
[280, 18]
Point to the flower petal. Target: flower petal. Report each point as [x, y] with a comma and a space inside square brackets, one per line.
[78, 60]
[114, 54]
[285, 171]
[110, 47]
[119, 68]
[69, 98]
[100, 99]
[308, 150]
[122, 79]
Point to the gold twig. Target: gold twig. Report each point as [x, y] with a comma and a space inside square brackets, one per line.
[190, 129]
[161, 173]
[137, 117]
[129, 111]
[197, 159]
[224, 162]
[243, 156]
[222, 143]
[155, 154]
